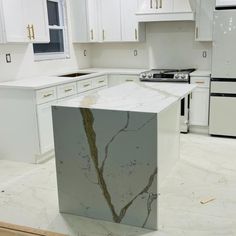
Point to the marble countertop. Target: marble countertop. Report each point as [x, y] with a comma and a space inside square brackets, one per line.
[40, 82]
[136, 97]
[201, 73]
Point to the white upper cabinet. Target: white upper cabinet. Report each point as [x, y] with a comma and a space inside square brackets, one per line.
[93, 20]
[131, 30]
[12, 19]
[110, 20]
[24, 21]
[36, 16]
[106, 21]
[155, 6]
[204, 20]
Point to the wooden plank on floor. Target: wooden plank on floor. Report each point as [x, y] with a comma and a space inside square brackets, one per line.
[16, 230]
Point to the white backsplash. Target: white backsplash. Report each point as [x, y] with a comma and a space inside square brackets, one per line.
[167, 45]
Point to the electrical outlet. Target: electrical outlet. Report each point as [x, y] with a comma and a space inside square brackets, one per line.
[8, 58]
[204, 54]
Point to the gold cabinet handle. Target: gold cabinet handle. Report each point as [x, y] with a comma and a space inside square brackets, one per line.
[157, 4]
[136, 34]
[29, 32]
[129, 80]
[101, 81]
[196, 32]
[103, 34]
[151, 6]
[160, 3]
[33, 34]
[200, 82]
[68, 90]
[91, 34]
[47, 95]
[86, 85]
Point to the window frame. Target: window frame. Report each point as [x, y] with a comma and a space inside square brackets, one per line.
[64, 27]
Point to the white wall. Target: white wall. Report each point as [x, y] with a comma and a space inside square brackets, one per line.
[168, 45]
[23, 64]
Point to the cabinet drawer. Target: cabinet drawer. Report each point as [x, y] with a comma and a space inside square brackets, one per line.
[201, 81]
[46, 95]
[100, 81]
[84, 85]
[66, 90]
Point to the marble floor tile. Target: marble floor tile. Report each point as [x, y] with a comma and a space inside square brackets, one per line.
[207, 169]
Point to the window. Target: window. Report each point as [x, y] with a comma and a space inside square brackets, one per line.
[58, 47]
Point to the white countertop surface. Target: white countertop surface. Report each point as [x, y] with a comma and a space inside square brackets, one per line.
[201, 73]
[40, 82]
[136, 97]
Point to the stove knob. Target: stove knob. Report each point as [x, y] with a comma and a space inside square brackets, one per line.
[149, 75]
[176, 77]
[183, 76]
[143, 75]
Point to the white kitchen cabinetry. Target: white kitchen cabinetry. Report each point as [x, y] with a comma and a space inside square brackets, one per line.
[44, 115]
[199, 102]
[204, 20]
[120, 79]
[155, 6]
[110, 20]
[131, 29]
[106, 21]
[24, 21]
[93, 20]
[36, 15]
[26, 130]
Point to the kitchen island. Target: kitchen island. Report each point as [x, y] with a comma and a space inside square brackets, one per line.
[114, 149]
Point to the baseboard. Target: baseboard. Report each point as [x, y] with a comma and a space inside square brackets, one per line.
[199, 129]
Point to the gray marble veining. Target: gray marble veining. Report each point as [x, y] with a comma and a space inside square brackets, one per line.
[107, 164]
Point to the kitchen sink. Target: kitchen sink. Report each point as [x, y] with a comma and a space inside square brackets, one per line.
[74, 75]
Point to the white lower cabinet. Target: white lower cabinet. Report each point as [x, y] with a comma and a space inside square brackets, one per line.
[45, 128]
[26, 128]
[120, 79]
[199, 102]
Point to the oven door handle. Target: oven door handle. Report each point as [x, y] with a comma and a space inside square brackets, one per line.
[229, 95]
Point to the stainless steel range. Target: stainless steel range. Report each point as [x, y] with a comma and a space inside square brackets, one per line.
[166, 75]
[172, 76]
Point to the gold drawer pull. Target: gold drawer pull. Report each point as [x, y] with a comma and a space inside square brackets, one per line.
[200, 82]
[47, 95]
[68, 90]
[101, 81]
[129, 80]
[86, 85]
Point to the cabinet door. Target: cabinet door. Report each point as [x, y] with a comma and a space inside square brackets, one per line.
[13, 21]
[129, 22]
[45, 127]
[204, 20]
[155, 6]
[79, 23]
[36, 16]
[92, 19]
[199, 107]
[110, 20]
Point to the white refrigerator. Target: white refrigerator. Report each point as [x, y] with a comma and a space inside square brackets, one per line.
[223, 82]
